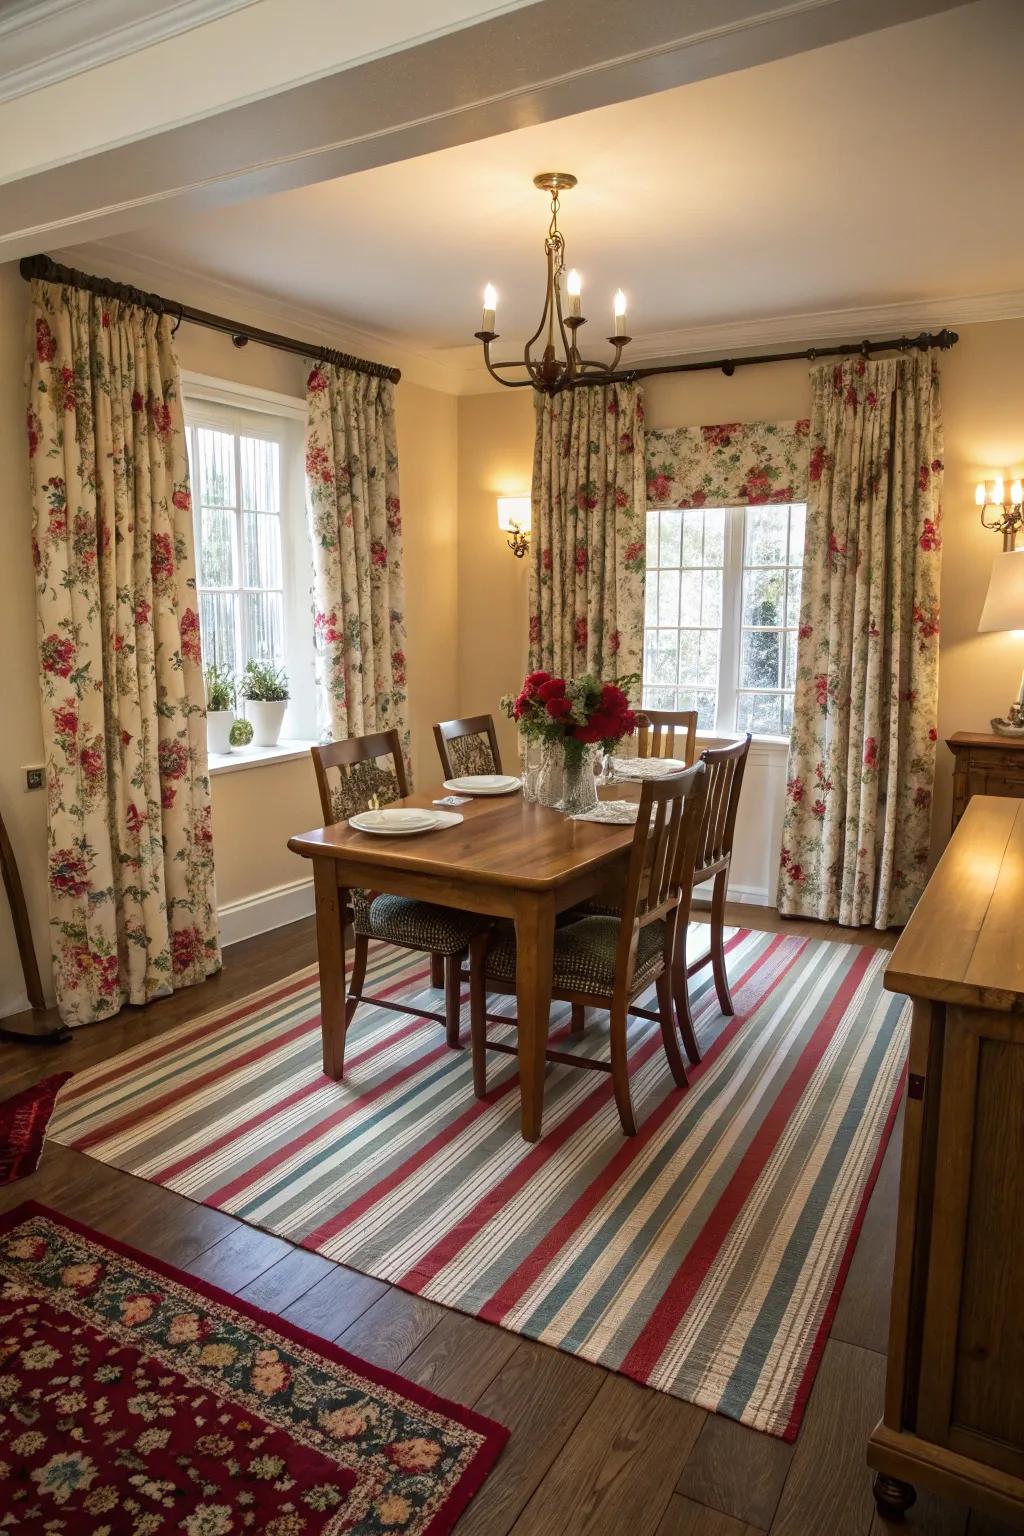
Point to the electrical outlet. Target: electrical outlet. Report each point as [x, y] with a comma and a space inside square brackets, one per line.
[34, 778]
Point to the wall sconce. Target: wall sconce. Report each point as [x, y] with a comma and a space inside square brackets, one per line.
[514, 517]
[1009, 514]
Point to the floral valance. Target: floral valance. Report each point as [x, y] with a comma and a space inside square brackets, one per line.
[732, 464]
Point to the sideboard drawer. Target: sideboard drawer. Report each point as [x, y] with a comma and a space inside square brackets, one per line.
[985, 765]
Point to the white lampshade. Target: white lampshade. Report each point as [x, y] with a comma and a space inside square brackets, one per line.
[1004, 605]
[514, 514]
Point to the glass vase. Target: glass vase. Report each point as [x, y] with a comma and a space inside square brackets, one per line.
[579, 791]
[550, 779]
[531, 754]
[609, 773]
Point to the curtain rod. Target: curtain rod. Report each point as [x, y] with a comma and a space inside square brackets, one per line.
[921, 343]
[50, 271]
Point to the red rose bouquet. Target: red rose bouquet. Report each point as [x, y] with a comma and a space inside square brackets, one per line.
[579, 712]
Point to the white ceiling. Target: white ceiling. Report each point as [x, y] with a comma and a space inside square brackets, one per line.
[883, 170]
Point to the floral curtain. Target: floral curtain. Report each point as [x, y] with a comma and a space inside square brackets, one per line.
[730, 465]
[355, 523]
[131, 889]
[587, 545]
[862, 755]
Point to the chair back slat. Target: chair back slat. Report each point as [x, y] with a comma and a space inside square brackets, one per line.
[468, 746]
[659, 880]
[725, 767]
[356, 766]
[657, 729]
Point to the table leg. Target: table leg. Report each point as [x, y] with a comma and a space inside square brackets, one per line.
[330, 946]
[535, 932]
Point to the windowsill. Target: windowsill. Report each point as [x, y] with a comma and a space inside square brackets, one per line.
[255, 757]
[777, 746]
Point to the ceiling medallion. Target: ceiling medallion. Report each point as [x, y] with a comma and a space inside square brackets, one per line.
[560, 365]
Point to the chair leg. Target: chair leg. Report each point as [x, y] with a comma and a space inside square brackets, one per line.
[718, 943]
[478, 1012]
[437, 971]
[681, 996]
[668, 1031]
[453, 998]
[579, 1019]
[620, 1067]
[355, 983]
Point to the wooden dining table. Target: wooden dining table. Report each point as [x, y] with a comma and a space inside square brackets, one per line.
[506, 859]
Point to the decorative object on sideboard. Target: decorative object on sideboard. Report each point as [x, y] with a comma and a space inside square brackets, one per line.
[563, 290]
[1004, 602]
[264, 687]
[220, 707]
[515, 517]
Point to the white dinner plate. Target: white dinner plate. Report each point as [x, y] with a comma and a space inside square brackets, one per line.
[484, 784]
[647, 767]
[400, 821]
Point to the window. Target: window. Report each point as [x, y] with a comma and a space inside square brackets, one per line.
[723, 605]
[253, 564]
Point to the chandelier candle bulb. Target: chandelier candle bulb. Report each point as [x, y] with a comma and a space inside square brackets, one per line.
[620, 313]
[490, 306]
[574, 287]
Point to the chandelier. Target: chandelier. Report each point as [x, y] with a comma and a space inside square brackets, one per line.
[560, 365]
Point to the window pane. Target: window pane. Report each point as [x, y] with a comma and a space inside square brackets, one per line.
[763, 594]
[217, 548]
[711, 600]
[666, 656]
[265, 623]
[767, 529]
[760, 655]
[652, 541]
[789, 677]
[671, 537]
[760, 713]
[787, 713]
[217, 613]
[689, 654]
[651, 599]
[261, 535]
[714, 536]
[668, 598]
[797, 519]
[793, 597]
[693, 538]
[660, 698]
[704, 701]
[216, 467]
[690, 585]
[260, 474]
[707, 668]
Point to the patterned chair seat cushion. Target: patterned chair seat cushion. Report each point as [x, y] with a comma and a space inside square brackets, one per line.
[584, 955]
[414, 924]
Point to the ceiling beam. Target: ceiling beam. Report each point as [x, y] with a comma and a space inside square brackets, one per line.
[531, 65]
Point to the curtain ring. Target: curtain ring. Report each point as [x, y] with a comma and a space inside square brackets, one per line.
[181, 316]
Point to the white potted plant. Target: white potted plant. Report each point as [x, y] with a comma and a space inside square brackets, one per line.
[264, 688]
[220, 711]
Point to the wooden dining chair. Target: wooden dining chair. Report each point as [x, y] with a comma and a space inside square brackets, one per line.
[724, 767]
[467, 746]
[348, 774]
[657, 730]
[606, 962]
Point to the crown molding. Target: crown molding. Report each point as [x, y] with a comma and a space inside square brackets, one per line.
[45, 41]
[782, 331]
[255, 307]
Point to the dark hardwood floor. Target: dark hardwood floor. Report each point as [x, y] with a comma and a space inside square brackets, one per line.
[590, 1451]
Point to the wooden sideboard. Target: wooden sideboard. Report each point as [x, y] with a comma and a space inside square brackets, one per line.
[985, 764]
[954, 1401]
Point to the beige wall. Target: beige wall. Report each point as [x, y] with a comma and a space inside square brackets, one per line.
[983, 391]
[254, 810]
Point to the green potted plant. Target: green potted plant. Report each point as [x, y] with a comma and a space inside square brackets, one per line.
[220, 707]
[264, 688]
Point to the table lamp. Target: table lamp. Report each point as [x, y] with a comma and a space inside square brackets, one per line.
[1004, 609]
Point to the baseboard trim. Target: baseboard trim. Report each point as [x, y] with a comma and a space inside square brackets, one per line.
[748, 895]
[258, 914]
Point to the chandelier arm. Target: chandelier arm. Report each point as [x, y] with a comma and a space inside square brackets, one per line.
[486, 337]
[572, 356]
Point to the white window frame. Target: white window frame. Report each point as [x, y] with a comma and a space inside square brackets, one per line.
[234, 408]
[730, 633]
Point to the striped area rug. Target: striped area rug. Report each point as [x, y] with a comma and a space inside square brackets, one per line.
[703, 1257]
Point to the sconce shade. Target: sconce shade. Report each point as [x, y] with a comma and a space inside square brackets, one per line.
[514, 514]
[1004, 605]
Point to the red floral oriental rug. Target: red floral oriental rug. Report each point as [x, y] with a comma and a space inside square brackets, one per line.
[136, 1399]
